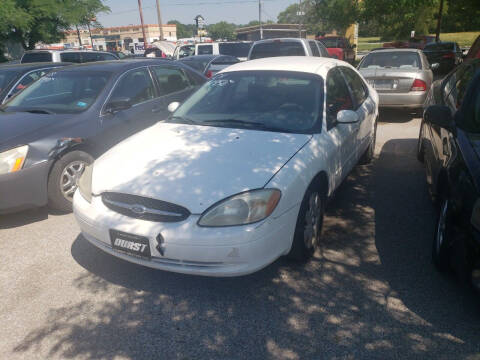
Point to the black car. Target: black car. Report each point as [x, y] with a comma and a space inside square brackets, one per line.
[446, 54]
[14, 78]
[50, 131]
[209, 65]
[449, 145]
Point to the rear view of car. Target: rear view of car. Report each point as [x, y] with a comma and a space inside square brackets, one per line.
[402, 77]
[446, 54]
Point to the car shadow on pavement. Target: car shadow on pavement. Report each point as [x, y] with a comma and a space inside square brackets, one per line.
[370, 292]
[400, 115]
[9, 221]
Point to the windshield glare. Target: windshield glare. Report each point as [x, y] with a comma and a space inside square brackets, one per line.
[280, 101]
[390, 59]
[61, 92]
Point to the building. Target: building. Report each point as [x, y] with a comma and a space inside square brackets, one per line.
[270, 31]
[117, 38]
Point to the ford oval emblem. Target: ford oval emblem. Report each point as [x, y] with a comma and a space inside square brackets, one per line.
[138, 209]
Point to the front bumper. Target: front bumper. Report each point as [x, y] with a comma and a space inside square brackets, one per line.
[24, 189]
[189, 248]
[412, 99]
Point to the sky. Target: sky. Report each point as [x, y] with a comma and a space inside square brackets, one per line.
[125, 12]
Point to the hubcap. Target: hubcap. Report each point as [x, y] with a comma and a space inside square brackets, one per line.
[69, 179]
[312, 221]
[442, 225]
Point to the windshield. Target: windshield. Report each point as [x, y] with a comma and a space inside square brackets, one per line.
[37, 57]
[235, 49]
[332, 42]
[277, 48]
[6, 76]
[280, 101]
[61, 92]
[391, 59]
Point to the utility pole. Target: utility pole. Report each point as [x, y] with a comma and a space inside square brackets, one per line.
[439, 22]
[260, 18]
[300, 19]
[143, 25]
[90, 32]
[159, 14]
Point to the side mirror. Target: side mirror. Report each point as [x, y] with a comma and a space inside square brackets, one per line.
[347, 117]
[434, 66]
[173, 106]
[439, 115]
[118, 104]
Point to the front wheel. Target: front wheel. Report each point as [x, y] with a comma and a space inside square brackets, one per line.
[442, 238]
[64, 177]
[309, 226]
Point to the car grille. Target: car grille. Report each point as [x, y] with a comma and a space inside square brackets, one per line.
[144, 208]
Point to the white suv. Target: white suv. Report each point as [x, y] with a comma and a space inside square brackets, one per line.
[287, 47]
[72, 56]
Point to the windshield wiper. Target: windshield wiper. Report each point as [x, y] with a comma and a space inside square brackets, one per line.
[38, 111]
[252, 124]
[182, 119]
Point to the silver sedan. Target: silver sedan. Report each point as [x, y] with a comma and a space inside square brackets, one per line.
[402, 77]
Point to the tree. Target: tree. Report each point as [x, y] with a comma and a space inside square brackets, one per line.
[289, 15]
[397, 18]
[183, 31]
[335, 14]
[35, 21]
[461, 15]
[222, 30]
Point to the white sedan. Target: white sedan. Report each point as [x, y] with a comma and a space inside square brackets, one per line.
[238, 175]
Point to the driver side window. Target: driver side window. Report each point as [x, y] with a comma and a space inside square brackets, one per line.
[338, 97]
[136, 86]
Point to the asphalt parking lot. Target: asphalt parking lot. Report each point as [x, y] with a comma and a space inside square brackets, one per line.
[370, 293]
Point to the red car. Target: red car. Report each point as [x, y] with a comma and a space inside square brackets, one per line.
[339, 47]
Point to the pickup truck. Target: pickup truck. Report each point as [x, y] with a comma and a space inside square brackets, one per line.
[339, 47]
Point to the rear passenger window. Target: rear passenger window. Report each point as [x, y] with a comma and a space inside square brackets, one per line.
[205, 50]
[135, 85]
[37, 57]
[314, 48]
[92, 56]
[338, 96]
[356, 84]
[323, 49]
[170, 79]
[70, 57]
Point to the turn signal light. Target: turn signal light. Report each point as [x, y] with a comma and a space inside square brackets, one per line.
[419, 85]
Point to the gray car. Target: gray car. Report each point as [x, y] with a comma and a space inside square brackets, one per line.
[402, 77]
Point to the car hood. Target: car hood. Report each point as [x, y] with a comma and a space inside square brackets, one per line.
[193, 166]
[19, 128]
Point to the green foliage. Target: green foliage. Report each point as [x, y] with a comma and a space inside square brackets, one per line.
[289, 15]
[336, 14]
[222, 30]
[31, 21]
[461, 15]
[183, 31]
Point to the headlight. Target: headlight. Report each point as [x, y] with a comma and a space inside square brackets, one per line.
[241, 209]
[475, 220]
[85, 183]
[12, 160]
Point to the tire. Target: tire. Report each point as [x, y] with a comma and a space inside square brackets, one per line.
[309, 225]
[62, 181]
[368, 155]
[442, 238]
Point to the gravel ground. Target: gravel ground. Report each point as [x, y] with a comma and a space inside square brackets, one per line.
[371, 292]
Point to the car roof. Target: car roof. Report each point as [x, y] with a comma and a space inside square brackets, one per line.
[33, 66]
[306, 64]
[279, 39]
[115, 65]
[201, 57]
[65, 50]
[387, 49]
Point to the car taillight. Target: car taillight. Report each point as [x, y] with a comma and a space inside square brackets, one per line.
[448, 56]
[209, 74]
[419, 85]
